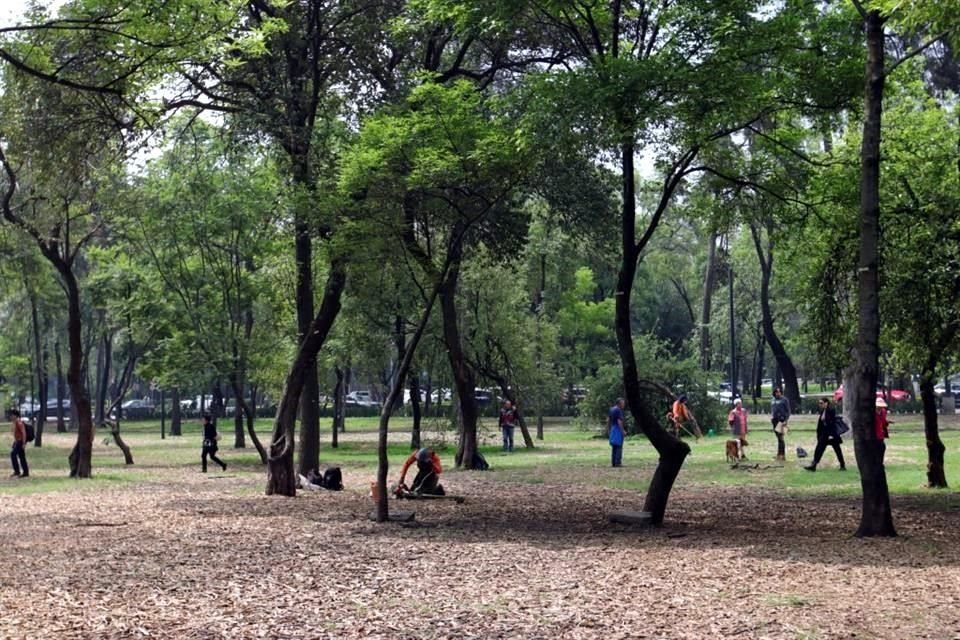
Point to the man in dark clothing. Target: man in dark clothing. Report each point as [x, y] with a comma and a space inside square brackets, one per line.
[780, 410]
[827, 434]
[617, 433]
[18, 455]
[210, 447]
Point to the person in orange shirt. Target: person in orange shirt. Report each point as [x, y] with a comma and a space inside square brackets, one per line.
[18, 456]
[681, 416]
[429, 469]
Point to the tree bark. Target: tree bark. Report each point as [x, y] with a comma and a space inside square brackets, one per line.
[464, 379]
[61, 425]
[876, 517]
[176, 419]
[672, 450]
[339, 406]
[81, 458]
[117, 440]
[104, 364]
[765, 256]
[416, 410]
[246, 414]
[281, 479]
[936, 476]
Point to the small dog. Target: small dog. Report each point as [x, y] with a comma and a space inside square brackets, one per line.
[734, 450]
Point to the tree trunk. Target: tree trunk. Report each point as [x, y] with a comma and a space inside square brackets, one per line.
[309, 455]
[539, 353]
[61, 425]
[415, 409]
[876, 517]
[464, 379]
[791, 388]
[936, 476]
[246, 411]
[339, 406]
[81, 458]
[672, 450]
[104, 364]
[115, 432]
[40, 366]
[709, 283]
[176, 424]
[281, 479]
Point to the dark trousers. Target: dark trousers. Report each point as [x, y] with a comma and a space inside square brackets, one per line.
[822, 446]
[616, 455]
[426, 480]
[18, 458]
[212, 452]
[781, 445]
[507, 437]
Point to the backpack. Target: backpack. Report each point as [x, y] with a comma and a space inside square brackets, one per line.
[28, 430]
[840, 426]
[333, 479]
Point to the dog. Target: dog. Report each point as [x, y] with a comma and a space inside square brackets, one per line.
[733, 450]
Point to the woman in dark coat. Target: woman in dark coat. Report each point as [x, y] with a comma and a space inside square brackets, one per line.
[210, 438]
[827, 434]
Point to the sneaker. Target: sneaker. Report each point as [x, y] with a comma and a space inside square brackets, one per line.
[811, 468]
[224, 465]
[843, 468]
[24, 475]
[14, 475]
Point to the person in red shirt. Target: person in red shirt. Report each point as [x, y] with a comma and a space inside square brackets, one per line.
[429, 469]
[880, 423]
[18, 455]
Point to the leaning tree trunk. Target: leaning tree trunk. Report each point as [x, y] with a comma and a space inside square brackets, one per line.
[876, 517]
[117, 440]
[671, 449]
[791, 389]
[281, 478]
[245, 412]
[936, 476]
[339, 406]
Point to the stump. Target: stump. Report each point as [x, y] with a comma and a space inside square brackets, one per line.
[395, 516]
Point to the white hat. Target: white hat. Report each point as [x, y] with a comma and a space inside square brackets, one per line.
[881, 402]
[737, 401]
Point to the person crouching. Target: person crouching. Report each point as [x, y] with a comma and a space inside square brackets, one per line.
[429, 469]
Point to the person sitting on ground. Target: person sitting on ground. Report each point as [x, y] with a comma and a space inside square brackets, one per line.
[683, 416]
[429, 469]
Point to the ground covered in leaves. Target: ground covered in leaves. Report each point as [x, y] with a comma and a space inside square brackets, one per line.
[186, 555]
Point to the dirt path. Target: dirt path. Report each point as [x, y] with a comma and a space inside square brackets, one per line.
[189, 556]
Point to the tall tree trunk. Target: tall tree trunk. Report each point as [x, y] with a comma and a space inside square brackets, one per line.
[61, 383]
[709, 283]
[758, 365]
[81, 458]
[281, 479]
[416, 410]
[339, 406]
[672, 450]
[539, 353]
[104, 364]
[876, 517]
[936, 476]
[765, 256]
[176, 418]
[40, 366]
[464, 379]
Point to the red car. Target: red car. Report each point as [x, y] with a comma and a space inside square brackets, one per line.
[896, 395]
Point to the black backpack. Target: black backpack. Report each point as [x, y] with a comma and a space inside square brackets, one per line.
[333, 479]
[28, 429]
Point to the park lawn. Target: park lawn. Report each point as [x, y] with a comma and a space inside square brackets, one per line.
[567, 455]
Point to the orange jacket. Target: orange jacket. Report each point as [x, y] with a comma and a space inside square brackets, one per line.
[434, 460]
[680, 412]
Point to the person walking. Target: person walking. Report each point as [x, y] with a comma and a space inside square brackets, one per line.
[780, 414]
[827, 434]
[210, 437]
[507, 422]
[737, 419]
[618, 432]
[18, 454]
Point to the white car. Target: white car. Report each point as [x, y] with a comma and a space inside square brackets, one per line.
[361, 399]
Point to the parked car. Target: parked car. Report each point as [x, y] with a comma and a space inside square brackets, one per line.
[361, 399]
[51, 411]
[890, 394]
[136, 409]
